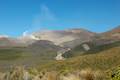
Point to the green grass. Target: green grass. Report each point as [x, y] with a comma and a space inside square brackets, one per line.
[23, 56]
[23, 52]
[10, 54]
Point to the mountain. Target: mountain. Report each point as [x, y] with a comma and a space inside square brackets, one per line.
[69, 38]
[65, 37]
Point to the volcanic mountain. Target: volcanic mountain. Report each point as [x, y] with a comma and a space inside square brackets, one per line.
[59, 37]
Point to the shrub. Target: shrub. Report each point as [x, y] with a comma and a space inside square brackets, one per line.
[115, 73]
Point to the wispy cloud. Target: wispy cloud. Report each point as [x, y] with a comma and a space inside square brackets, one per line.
[46, 16]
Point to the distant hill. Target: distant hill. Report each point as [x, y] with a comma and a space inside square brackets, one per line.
[10, 42]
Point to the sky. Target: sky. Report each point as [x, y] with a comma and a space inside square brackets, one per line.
[19, 16]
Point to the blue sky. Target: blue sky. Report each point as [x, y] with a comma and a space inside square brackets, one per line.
[18, 16]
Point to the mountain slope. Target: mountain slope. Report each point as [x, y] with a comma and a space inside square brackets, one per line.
[43, 48]
[112, 34]
[93, 48]
[103, 60]
[60, 37]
